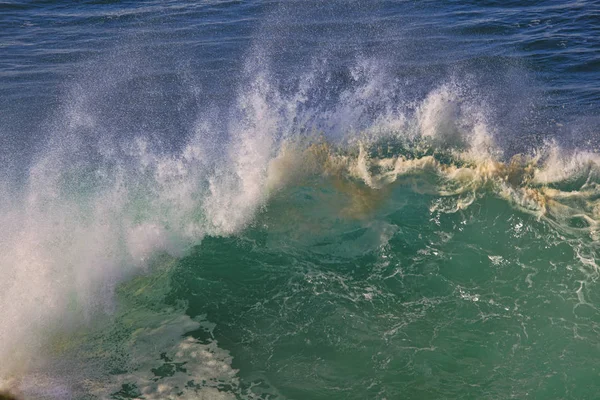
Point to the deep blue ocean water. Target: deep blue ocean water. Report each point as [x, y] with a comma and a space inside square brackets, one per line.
[300, 199]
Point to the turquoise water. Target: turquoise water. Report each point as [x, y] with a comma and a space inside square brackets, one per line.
[289, 200]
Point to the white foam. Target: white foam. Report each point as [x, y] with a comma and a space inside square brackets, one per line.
[207, 368]
[96, 207]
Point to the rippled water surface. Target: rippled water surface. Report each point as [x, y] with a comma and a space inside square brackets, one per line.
[300, 199]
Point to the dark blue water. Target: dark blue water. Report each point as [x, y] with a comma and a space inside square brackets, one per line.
[299, 199]
[541, 57]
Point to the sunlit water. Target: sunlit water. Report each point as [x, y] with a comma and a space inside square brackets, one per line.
[300, 200]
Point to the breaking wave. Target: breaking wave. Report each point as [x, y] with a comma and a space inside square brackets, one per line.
[100, 207]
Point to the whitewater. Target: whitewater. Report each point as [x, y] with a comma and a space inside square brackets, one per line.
[330, 228]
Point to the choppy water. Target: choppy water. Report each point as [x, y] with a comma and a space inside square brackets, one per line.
[300, 200]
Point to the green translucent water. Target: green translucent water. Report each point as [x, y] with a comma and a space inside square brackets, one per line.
[405, 302]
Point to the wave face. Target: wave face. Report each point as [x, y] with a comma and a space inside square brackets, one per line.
[343, 225]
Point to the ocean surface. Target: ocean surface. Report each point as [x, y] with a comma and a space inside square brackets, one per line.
[300, 199]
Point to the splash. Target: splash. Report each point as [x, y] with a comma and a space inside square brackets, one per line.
[97, 209]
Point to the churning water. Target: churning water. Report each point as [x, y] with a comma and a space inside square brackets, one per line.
[300, 199]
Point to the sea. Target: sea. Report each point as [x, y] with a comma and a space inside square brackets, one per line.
[300, 199]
